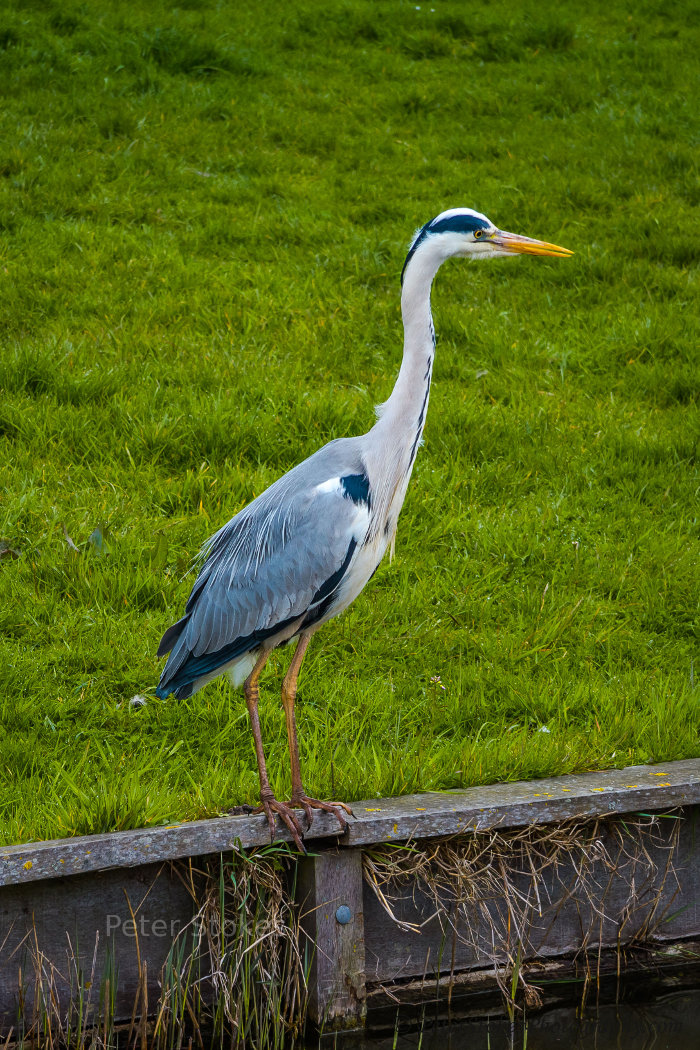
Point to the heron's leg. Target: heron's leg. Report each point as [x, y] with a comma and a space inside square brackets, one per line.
[252, 695]
[269, 804]
[289, 692]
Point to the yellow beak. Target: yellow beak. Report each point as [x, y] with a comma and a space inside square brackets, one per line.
[513, 242]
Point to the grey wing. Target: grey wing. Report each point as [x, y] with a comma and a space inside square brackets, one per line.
[279, 561]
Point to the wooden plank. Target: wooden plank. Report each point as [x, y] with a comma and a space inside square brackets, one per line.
[527, 802]
[477, 992]
[61, 857]
[78, 924]
[612, 905]
[69, 917]
[329, 893]
[412, 816]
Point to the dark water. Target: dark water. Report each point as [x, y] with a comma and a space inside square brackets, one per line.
[668, 1023]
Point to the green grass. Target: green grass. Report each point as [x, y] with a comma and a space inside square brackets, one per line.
[203, 216]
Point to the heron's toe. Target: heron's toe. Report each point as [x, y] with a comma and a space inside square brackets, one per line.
[271, 806]
[309, 804]
[304, 803]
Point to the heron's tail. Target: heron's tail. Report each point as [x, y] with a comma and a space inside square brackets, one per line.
[168, 680]
[171, 636]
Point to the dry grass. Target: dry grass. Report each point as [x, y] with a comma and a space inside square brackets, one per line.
[235, 975]
[498, 894]
[246, 948]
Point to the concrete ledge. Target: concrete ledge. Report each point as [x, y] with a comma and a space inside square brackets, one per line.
[665, 786]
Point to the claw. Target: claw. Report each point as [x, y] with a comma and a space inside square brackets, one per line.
[271, 806]
[307, 810]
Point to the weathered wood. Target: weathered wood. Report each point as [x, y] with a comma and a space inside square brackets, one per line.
[475, 997]
[329, 893]
[526, 802]
[75, 928]
[58, 898]
[559, 980]
[655, 892]
[123, 849]
[412, 816]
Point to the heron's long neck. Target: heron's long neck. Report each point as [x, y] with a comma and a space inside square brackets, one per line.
[402, 417]
[395, 437]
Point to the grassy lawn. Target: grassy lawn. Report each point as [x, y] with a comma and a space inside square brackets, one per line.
[203, 216]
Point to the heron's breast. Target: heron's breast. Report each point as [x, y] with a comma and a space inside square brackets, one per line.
[363, 566]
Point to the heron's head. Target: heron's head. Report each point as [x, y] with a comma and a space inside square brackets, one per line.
[463, 232]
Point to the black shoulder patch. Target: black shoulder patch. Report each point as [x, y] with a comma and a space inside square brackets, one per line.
[356, 488]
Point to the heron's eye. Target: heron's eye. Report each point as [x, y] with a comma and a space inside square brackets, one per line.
[478, 234]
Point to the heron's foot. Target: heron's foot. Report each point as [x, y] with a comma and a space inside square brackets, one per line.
[270, 806]
[310, 804]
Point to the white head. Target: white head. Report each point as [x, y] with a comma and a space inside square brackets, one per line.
[463, 232]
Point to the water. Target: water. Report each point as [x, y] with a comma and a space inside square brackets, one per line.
[671, 1022]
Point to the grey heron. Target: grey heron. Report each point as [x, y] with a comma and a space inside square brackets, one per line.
[303, 550]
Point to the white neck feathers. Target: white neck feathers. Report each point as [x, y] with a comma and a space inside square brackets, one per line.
[396, 436]
[404, 412]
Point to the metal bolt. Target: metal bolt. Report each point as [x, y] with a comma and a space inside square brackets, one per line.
[343, 915]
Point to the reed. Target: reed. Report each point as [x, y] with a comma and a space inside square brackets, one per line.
[234, 976]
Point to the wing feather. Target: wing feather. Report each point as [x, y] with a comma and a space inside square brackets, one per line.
[273, 563]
